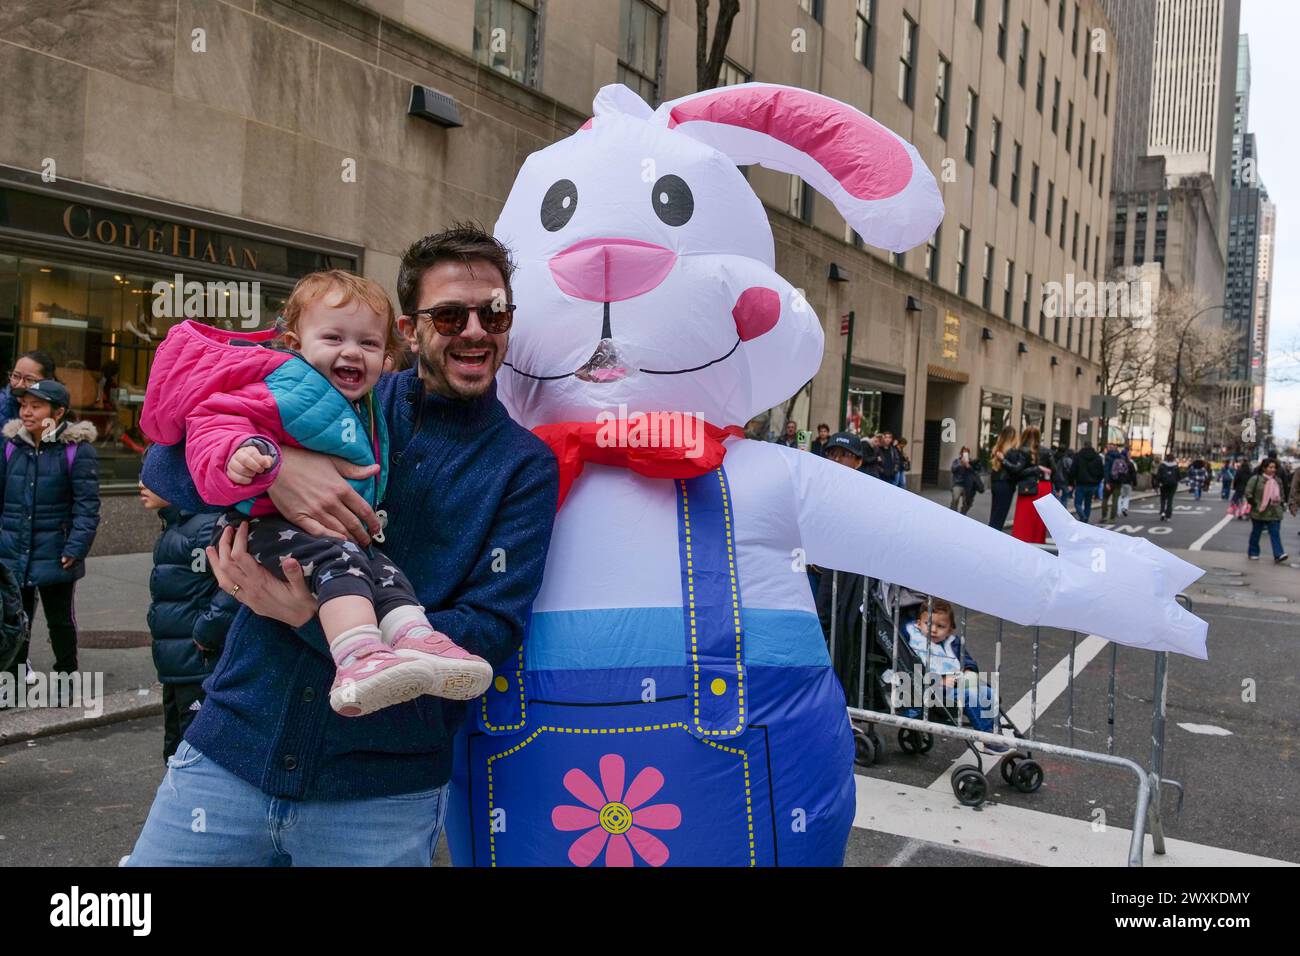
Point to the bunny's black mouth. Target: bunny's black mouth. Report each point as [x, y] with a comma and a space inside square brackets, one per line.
[605, 364]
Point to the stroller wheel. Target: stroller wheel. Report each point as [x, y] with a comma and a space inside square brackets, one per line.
[1028, 776]
[914, 742]
[864, 751]
[876, 741]
[969, 786]
[1008, 768]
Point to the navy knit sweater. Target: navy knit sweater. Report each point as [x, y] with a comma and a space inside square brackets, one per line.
[468, 487]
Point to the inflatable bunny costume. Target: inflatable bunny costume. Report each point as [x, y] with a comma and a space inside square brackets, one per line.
[673, 700]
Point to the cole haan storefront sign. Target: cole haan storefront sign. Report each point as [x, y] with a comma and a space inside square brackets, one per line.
[92, 222]
[108, 228]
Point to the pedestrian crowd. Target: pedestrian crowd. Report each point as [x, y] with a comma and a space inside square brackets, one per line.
[1022, 469]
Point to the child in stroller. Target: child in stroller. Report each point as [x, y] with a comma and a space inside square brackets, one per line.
[937, 649]
[928, 644]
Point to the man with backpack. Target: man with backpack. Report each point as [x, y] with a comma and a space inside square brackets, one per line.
[1116, 473]
[1166, 480]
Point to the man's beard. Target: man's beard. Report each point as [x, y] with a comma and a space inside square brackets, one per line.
[433, 372]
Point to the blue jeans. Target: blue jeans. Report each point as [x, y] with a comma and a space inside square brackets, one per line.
[1274, 537]
[1083, 502]
[900, 479]
[203, 815]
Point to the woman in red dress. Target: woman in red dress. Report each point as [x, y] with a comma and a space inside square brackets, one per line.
[1026, 525]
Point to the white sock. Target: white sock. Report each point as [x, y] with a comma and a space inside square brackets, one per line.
[399, 618]
[344, 646]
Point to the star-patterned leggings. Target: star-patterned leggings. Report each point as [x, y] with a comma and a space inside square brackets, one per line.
[333, 567]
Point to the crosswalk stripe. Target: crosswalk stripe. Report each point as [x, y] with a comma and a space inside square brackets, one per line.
[1014, 833]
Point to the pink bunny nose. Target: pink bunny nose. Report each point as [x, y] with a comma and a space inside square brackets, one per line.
[609, 270]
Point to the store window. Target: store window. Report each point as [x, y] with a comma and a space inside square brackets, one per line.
[1033, 414]
[995, 415]
[862, 415]
[101, 328]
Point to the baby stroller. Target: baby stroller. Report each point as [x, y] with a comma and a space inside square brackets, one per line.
[969, 784]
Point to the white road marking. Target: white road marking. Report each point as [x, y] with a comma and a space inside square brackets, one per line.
[1050, 686]
[1204, 539]
[1015, 833]
[1207, 729]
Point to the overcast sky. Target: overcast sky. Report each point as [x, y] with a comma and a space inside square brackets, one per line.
[1273, 26]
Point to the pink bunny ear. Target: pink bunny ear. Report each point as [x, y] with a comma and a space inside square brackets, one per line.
[876, 180]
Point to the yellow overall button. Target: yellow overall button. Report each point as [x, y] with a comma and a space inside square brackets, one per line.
[501, 684]
[719, 686]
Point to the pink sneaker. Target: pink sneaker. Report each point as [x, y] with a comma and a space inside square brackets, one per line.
[460, 674]
[376, 678]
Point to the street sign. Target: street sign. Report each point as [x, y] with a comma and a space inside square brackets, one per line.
[1104, 406]
[844, 325]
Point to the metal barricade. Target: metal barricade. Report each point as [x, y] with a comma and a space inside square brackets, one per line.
[879, 645]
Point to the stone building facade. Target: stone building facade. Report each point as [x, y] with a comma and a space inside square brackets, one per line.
[241, 141]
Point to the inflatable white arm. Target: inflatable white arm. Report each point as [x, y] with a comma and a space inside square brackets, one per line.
[1103, 583]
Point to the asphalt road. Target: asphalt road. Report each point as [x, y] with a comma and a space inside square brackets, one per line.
[79, 799]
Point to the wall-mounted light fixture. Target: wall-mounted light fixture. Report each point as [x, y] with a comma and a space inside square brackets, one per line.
[986, 336]
[438, 108]
[1021, 349]
[913, 304]
[1055, 361]
[837, 273]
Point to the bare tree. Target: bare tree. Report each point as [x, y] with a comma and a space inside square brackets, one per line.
[1189, 356]
[1127, 363]
[708, 58]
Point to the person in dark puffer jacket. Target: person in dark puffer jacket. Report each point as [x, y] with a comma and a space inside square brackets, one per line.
[188, 615]
[50, 509]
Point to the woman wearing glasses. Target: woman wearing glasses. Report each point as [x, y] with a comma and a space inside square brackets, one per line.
[30, 368]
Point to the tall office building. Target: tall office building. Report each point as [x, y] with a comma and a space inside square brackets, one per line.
[1240, 106]
[1173, 168]
[1192, 64]
[1247, 289]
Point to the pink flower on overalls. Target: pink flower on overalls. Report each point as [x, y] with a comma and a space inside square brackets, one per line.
[616, 822]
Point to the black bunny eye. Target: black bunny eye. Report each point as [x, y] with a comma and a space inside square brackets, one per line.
[559, 204]
[672, 200]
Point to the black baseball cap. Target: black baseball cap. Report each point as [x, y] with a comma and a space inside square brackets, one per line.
[846, 440]
[47, 390]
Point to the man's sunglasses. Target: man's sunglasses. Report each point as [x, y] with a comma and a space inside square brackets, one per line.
[451, 319]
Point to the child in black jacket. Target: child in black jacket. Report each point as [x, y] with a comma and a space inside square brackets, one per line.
[189, 614]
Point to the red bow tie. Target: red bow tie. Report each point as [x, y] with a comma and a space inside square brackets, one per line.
[654, 444]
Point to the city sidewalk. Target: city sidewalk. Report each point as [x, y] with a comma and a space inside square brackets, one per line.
[111, 603]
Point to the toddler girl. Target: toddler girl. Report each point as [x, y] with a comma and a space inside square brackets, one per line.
[235, 400]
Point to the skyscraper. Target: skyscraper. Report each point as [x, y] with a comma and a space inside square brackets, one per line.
[1172, 175]
[1248, 280]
